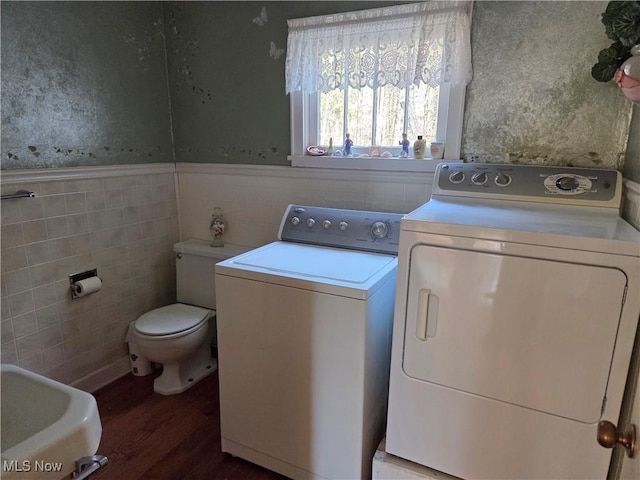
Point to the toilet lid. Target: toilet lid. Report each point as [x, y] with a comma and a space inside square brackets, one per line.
[171, 319]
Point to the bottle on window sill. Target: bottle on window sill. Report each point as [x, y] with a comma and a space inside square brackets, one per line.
[418, 148]
[437, 150]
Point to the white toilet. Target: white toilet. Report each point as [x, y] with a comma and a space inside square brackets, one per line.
[179, 336]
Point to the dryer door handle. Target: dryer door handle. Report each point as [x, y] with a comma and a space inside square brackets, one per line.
[427, 314]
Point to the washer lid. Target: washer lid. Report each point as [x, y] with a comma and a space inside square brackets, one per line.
[171, 319]
[316, 262]
[335, 271]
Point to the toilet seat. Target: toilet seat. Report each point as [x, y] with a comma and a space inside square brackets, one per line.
[171, 320]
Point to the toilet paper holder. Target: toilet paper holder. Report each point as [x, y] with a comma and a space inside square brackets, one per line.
[76, 277]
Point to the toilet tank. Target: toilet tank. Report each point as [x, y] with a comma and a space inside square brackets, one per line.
[195, 272]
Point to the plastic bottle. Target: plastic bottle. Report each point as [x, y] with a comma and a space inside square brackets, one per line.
[418, 148]
[437, 150]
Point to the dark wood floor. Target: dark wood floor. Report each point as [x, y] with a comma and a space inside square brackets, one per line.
[151, 436]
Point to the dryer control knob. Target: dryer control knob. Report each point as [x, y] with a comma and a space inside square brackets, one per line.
[379, 230]
[295, 221]
[310, 222]
[326, 224]
[567, 183]
[343, 226]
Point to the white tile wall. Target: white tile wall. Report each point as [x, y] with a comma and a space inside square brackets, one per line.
[254, 198]
[124, 226]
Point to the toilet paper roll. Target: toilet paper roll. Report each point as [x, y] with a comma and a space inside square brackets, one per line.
[87, 286]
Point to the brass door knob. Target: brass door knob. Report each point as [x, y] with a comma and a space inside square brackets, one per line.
[608, 436]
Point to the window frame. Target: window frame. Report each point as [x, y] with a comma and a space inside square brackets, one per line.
[305, 129]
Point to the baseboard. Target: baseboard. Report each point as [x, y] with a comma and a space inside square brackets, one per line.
[103, 376]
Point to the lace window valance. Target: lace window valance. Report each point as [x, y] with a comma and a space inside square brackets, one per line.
[401, 45]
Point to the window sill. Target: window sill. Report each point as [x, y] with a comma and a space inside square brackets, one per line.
[428, 165]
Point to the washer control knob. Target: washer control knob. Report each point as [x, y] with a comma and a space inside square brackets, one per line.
[295, 221]
[567, 183]
[326, 224]
[503, 180]
[479, 178]
[379, 230]
[343, 226]
[310, 222]
[456, 177]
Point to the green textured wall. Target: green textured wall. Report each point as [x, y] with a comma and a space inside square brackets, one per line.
[532, 99]
[83, 83]
[227, 92]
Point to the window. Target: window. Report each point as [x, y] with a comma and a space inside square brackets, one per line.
[376, 74]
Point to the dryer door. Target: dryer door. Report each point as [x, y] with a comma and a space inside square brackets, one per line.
[526, 331]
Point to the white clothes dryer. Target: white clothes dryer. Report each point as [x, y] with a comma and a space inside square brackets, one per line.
[304, 343]
[516, 312]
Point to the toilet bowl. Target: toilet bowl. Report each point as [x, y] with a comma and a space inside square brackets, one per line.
[180, 336]
[176, 336]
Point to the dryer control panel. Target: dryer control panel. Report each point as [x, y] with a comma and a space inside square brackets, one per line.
[550, 184]
[336, 227]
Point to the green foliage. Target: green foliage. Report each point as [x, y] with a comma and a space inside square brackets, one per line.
[621, 20]
[609, 60]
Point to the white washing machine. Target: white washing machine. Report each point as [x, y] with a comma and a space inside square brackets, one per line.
[304, 343]
[516, 312]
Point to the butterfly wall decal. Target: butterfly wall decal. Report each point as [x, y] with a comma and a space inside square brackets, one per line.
[261, 19]
[275, 52]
